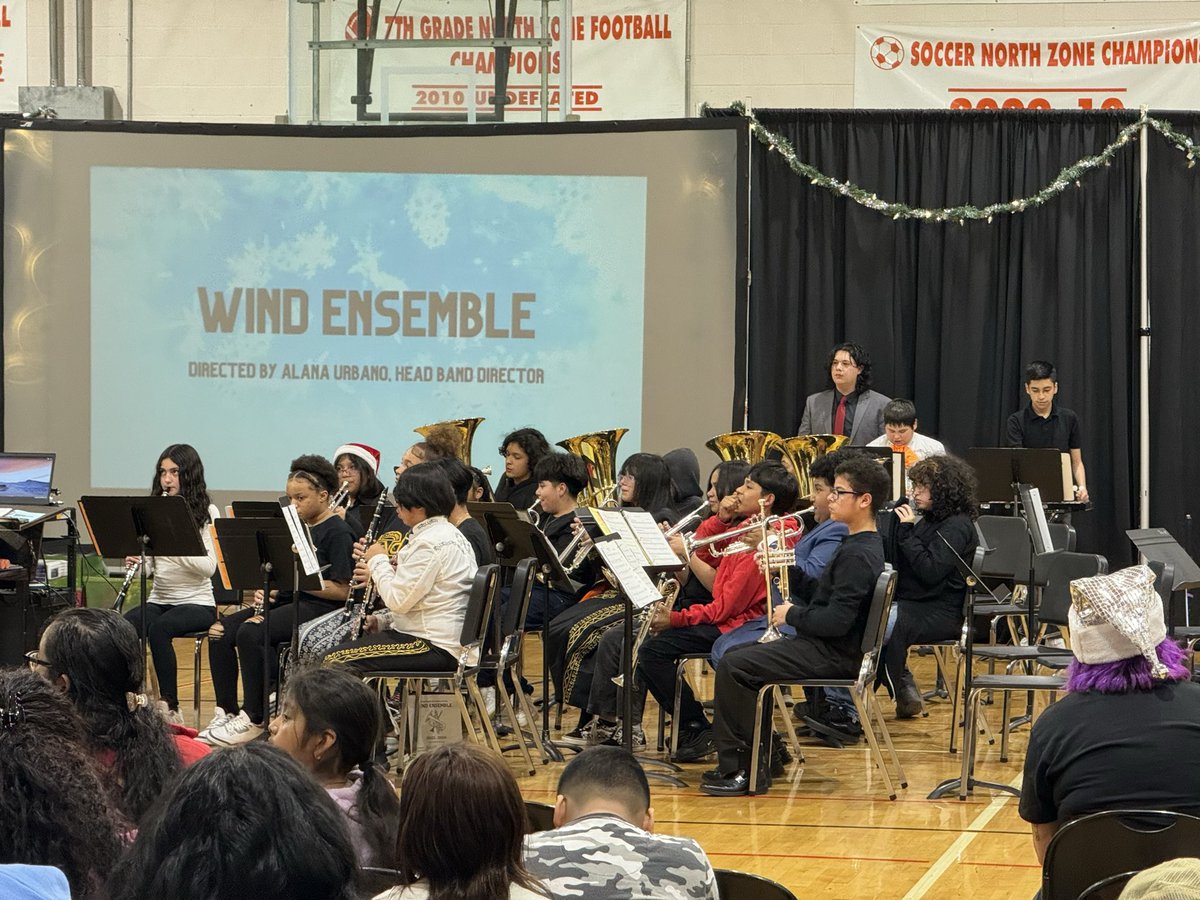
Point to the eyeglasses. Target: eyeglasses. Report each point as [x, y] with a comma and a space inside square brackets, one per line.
[834, 493]
[346, 470]
[34, 660]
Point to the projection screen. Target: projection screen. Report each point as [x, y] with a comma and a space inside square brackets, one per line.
[266, 294]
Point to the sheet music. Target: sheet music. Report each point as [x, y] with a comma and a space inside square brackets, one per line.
[302, 542]
[625, 561]
[654, 543]
[612, 521]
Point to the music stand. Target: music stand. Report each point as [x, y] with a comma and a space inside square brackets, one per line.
[255, 553]
[141, 527]
[952, 785]
[1157, 545]
[515, 539]
[893, 461]
[256, 509]
[999, 470]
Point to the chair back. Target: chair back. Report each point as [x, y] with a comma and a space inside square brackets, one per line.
[734, 885]
[1055, 571]
[479, 605]
[1164, 581]
[1062, 536]
[877, 616]
[540, 816]
[512, 622]
[1091, 853]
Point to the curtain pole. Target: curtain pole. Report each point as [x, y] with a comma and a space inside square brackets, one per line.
[1144, 343]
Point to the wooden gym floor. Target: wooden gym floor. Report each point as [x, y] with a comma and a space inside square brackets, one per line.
[827, 830]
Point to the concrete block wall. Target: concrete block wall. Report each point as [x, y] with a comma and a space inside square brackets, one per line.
[203, 60]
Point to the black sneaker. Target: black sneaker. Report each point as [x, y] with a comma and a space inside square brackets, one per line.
[836, 727]
[694, 745]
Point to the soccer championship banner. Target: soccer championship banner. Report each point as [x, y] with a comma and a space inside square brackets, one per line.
[628, 60]
[1026, 68]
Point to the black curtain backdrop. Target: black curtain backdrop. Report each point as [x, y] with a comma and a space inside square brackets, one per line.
[1173, 194]
[951, 313]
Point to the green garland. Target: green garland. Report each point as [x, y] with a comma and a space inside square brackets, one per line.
[1071, 175]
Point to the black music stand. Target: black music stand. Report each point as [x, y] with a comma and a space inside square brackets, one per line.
[515, 540]
[1157, 545]
[142, 527]
[257, 509]
[893, 461]
[999, 470]
[255, 554]
[951, 786]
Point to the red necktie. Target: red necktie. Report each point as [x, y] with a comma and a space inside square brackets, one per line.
[839, 419]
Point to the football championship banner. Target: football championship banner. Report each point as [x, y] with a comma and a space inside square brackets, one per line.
[628, 60]
[1026, 68]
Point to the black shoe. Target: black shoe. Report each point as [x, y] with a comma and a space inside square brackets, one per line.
[695, 744]
[735, 784]
[711, 775]
[802, 710]
[836, 728]
[908, 703]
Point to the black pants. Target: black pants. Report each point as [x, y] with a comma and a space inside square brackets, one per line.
[916, 624]
[390, 651]
[241, 646]
[164, 623]
[605, 699]
[657, 662]
[743, 670]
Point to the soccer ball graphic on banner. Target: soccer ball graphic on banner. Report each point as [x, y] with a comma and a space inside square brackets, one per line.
[887, 52]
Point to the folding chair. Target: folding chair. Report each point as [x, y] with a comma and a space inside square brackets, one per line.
[733, 885]
[474, 633]
[1095, 855]
[511, 640]
[540, 816]
[862, 689]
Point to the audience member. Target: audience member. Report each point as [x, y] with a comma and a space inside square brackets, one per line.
[33, 883]
[54, 810]
[245, 821]
[1127, 734]
[602, 844]
[330, 723]
[461, 824]
[1175, 879]
[94, 657]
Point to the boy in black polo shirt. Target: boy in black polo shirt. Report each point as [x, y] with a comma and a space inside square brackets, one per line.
[1043, 423]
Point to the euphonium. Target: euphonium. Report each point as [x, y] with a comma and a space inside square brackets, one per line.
[800, 451]
[749, 446]
[466, 429]
[599, 451]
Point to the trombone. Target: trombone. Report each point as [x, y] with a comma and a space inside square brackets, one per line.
[340, 497]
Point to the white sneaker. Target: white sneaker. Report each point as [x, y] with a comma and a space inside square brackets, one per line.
[220, 717]
[238, 730]
[489, 701]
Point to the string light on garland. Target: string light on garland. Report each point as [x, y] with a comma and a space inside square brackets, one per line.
[1070, 175]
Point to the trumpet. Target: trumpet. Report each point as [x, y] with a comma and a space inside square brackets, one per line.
[686, 520]
[690, 545]
[131, 571]
[780, 558]
[340, 497]
[534, 513]
[669, 591]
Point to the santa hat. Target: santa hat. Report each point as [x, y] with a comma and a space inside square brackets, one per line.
[369, 455]
[1118, 616]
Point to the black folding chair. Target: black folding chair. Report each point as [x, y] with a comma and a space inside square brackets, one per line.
[540, 815]
[734, 885]
[1095, 855]
[465, 674]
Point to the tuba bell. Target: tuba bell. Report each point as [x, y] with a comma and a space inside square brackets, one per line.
[466, 431]
[598, 450]
[748, 446]
[800, 451]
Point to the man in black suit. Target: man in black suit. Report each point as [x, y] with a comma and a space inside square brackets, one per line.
[850, 407]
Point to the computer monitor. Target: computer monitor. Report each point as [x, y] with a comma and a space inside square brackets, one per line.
[26, 478]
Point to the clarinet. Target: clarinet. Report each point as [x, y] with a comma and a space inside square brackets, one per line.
[362, 596]
[131, 571]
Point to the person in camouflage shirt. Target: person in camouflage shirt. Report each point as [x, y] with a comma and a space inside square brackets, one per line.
[602, 847]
